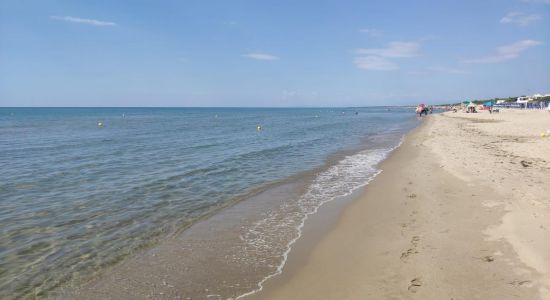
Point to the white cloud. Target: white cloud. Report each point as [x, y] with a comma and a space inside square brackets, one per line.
[289, 94]
[520, 19]
[393, 49]
[378, 58]
[371, 32]
[374, 63]
[505, 53]
[448, 70]
[416, 72]
[261, 56]
[83, 21]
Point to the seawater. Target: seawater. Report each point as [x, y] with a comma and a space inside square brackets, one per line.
[81, 189]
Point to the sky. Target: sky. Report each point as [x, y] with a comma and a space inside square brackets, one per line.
[271, 53]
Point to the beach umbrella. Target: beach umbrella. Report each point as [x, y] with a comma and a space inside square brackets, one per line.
[488, 103]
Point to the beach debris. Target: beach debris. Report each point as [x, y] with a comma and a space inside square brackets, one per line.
[415, 284]
[411, 195]
[166, 284]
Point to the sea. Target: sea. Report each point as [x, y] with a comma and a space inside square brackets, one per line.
[83, 190]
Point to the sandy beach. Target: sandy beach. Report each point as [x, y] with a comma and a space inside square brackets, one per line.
[460, 211]
[239, 150]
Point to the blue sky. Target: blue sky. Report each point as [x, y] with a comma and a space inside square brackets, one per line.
[270, 53]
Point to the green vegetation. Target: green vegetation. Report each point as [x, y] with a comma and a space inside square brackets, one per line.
[506, 100]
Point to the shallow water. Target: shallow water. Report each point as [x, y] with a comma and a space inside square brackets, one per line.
[76, 197]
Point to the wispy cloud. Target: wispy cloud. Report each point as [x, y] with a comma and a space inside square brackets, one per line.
[416, 72]
[376, 63]
[379, 58]
[289, 94]
[505, 53]
[260, 56]
[520, 18]
[371, 32]
[83, 21]
[448, 70]
[393, 49]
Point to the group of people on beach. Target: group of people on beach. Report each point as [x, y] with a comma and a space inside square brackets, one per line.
[423, 109]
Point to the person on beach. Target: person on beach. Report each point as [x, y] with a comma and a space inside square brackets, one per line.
[421, 109]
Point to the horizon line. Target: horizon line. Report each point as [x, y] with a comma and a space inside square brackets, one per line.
[368, 106]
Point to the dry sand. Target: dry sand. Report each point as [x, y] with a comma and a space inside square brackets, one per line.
[461, 211]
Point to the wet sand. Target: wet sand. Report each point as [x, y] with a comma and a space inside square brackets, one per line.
[461, 211]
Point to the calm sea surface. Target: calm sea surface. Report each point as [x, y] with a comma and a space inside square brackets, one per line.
[77, 197]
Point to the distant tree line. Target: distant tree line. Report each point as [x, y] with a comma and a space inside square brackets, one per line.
[506, 100]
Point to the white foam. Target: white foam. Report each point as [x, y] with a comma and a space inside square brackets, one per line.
[287, 222]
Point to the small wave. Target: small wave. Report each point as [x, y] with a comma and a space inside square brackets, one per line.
[287, 221]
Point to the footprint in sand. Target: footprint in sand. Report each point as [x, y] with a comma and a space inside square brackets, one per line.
[487, 258]
[408, 253]
[519, 282]
[415, 284]
[411, 195]
[412, 250]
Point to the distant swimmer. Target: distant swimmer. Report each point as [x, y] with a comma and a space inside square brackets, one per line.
[99, 124]
[259, 128]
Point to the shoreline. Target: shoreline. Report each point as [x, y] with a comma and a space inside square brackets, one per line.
[433, 225]
[318, 227]
[171, 271]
